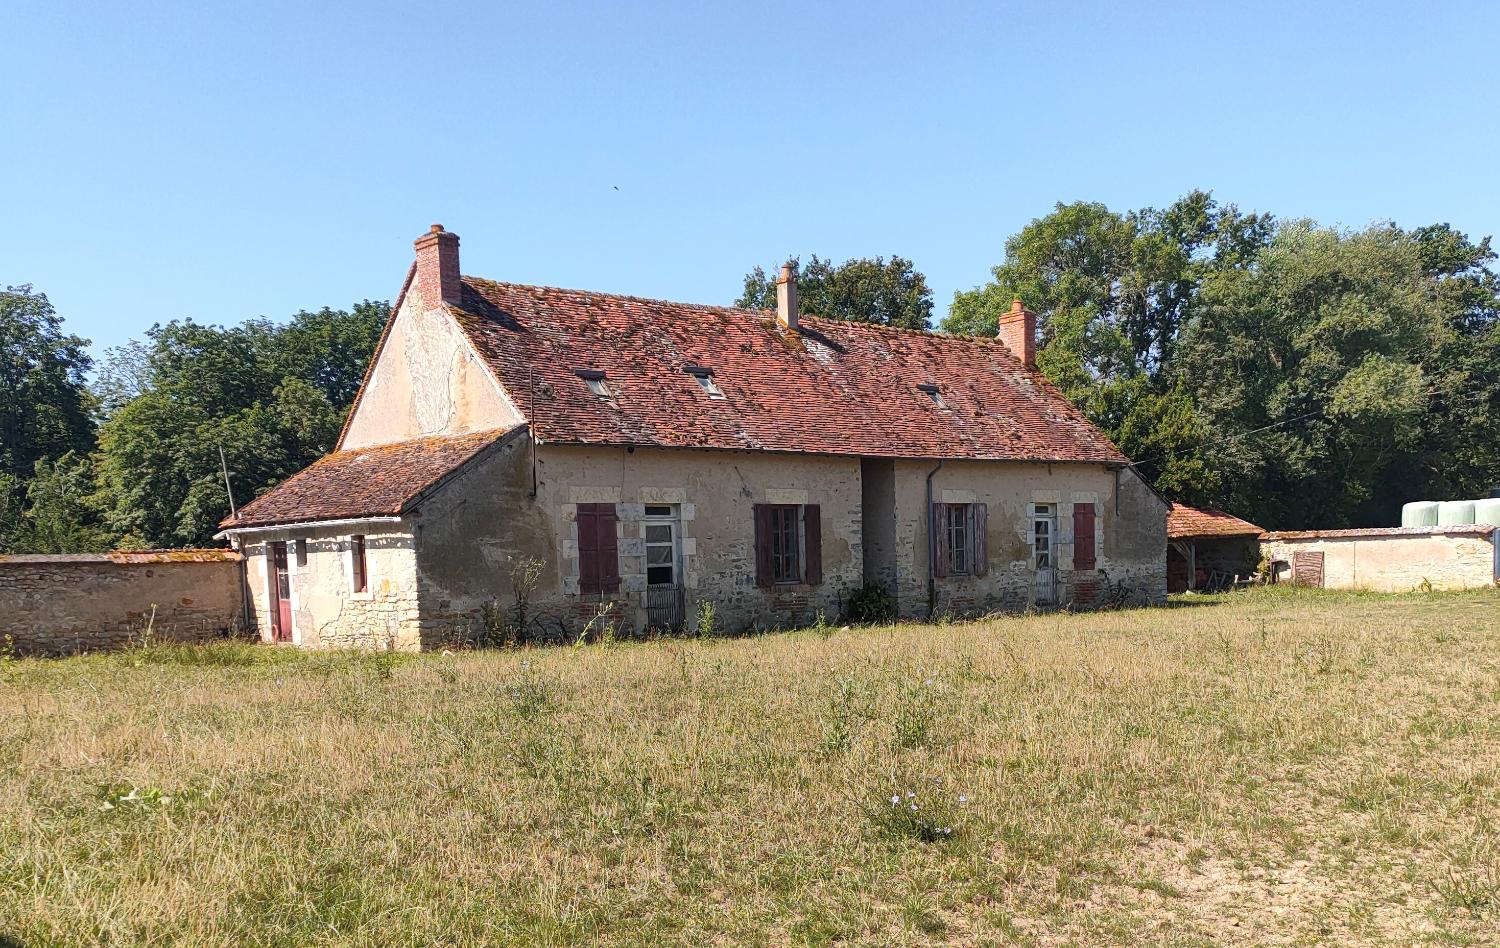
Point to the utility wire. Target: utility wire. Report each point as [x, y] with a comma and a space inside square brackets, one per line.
[1243, 434]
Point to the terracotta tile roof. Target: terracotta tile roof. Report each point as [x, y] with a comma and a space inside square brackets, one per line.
[123, 557]
[1184, 522]
[834, 388]
[386, 480]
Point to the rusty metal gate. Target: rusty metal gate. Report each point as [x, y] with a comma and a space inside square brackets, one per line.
[1307, 569]
[666, 608]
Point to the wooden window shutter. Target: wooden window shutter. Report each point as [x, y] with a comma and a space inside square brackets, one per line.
[609, 550]
[763, 568]
[588, 548]
[812, 538]
[1084, 556]
[981, 557]
[939, 515]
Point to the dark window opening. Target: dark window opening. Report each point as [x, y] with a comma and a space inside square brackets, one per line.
[785, 546]
[959, 536]
[933, 393]
[361, 570]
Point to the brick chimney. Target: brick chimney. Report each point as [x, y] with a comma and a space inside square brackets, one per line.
[1018, 332]
[437, 266]
[786, 296]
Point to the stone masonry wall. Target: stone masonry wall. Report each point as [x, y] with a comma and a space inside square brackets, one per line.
[471, 532]
[326, 611]
[1394, 559]
[1129, 531]
[57, 605]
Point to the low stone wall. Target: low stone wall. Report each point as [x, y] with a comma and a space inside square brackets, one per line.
[1393, 559]
[58, 605]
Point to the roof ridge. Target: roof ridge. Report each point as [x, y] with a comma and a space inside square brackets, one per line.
[740, 310]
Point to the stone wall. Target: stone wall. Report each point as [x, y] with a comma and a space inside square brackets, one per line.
[427, 380]
[56, 605]
[1130, 534]
[473, 531]
[326, 610]
[1393, 559]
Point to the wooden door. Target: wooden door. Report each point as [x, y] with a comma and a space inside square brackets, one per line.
[281, 595]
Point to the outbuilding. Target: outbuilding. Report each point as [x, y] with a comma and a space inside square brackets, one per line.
[1209, 549]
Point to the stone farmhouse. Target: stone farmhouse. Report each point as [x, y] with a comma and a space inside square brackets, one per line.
[644, 457]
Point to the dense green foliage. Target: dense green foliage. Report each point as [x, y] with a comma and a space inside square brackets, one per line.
[890, 293]
[44, 403]
[1300, 376]
[272, 396]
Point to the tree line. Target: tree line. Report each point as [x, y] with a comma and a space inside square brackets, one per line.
[130, 459]
[1294, 374]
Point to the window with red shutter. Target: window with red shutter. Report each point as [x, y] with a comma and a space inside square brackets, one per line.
[1084, 556]
[788, 544]
[598, 549]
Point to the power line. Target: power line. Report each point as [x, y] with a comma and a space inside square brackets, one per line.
[1243, 434]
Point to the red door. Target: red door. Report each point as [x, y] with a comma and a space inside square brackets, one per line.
[281, 595]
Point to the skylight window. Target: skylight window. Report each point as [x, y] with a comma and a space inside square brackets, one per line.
[705, 379]
[595, 381]
[933, 393]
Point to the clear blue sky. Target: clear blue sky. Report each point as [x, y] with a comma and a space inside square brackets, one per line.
[219, 162]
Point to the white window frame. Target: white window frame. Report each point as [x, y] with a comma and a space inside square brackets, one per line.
[672, 520]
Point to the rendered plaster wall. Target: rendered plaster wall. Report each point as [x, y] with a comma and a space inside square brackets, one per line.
[426, 381]
[326, 611]
[485, 521]
[54, 605]
[1395, 562]
[1130, 534]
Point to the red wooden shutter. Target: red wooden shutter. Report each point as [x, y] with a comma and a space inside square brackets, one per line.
[588, 548]
[763, 568]
[981, 540]
[812, 536]
[939, 515]
[1083, 536]
[609, 549]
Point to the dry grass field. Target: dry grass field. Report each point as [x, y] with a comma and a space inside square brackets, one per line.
[1267, 768]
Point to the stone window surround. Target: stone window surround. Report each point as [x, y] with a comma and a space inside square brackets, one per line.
[630, 524]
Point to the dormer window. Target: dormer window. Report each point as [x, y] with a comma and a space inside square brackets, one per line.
[932, 392]
[704, 376]
[595, 381]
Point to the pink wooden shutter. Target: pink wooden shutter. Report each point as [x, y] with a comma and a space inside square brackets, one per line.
[609, 550]
[588, 548]
[763, 568]
[1083, 536]
[939, 515]
[812, 535]
[981, 540]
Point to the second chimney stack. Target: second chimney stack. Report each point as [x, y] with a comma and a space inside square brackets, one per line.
[437, 267]
[786, 296]
[1018, 333]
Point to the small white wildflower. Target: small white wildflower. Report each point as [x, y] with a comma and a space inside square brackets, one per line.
[896, 799]
[909, 794]
[914, 808]
[947, 831]
[927, 682]
[962, 798]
